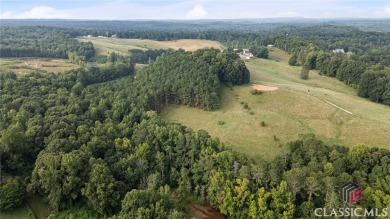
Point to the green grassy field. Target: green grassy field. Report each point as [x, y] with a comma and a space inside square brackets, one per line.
[297, 107]
[23, 212]
[104, 46]
[22, 66]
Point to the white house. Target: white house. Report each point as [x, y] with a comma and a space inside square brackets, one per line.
[245, 55]
[338, 51]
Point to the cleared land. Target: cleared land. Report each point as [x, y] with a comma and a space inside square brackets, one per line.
[22, 66]
[297, 107]
[264, 87]
[104, 46]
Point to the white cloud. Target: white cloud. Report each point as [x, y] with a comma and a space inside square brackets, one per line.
[196, 9]
[384, 13]
[36, 12]
[198, 12]
[387, 10]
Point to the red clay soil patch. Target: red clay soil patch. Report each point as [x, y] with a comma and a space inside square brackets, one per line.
[264, 87]
[206, 212]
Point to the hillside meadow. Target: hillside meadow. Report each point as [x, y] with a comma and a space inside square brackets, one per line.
[297, 107]
[104, 46]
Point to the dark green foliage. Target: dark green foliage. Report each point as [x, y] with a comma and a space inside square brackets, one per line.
[47, 42]
[374, 85]
[167, 79]
[13, 191]
[118, 67]
[386, 95]
[145, 57]
[304, 73]
[293, 59]
[245, 106]
[263, 124]
[259, 51]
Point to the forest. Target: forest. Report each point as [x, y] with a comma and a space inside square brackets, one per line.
[91, 141]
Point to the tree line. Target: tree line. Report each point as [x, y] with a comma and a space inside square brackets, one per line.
[48, 42]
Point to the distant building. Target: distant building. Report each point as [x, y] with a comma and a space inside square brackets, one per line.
[245, 55]
[113, 36]
[89, 36]
[100, 36]
[270, 45]
[338, 51]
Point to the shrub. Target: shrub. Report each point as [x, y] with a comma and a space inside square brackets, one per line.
[256, 92]
[262, 123]
[246, 106]
[12, 194]
[221, 123]
[304, 73]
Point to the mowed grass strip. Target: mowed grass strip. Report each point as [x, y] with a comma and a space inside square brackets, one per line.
[22, 66]
[38, 207]
[22, 212]
[297, 107]
[105, 46]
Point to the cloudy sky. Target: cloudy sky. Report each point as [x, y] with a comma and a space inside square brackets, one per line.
[193, 9]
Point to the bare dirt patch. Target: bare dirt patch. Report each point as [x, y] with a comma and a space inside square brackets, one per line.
[33, 64]
[264, 87]
[206, 212]
[22, 66]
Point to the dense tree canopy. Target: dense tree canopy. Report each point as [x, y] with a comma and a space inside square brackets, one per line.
[47, 42]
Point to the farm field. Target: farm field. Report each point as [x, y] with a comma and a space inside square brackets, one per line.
[104, 46]
[321, 105]
[22, 66]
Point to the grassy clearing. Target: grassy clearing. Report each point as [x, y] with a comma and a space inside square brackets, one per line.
[23, 212]
[38, 207]
[22, 66]
[296, 107]
[105, 46]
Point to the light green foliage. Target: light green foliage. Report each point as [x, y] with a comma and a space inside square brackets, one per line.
[148, 204]
[101, 189]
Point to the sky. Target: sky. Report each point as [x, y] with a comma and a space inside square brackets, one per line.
[192, 9]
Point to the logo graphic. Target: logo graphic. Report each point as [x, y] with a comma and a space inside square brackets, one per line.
[351, 193]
